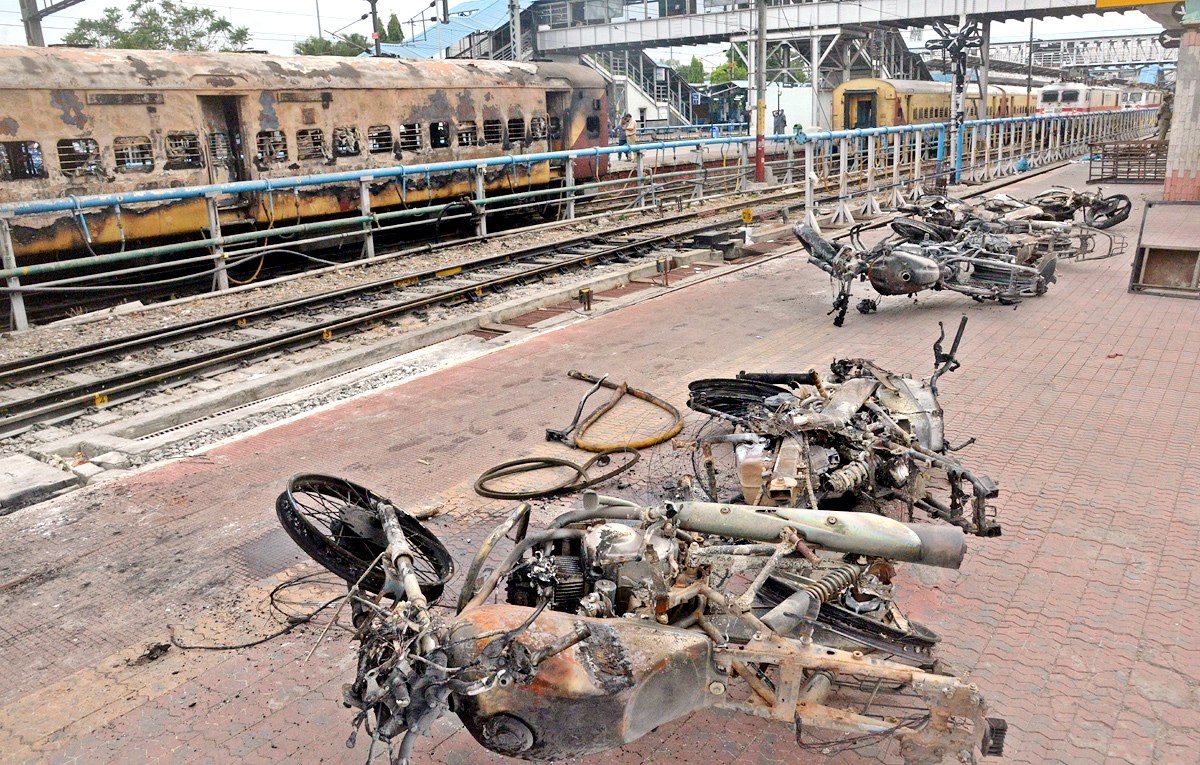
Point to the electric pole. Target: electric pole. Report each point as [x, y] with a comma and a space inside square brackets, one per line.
[1029, 71]
[760, 143]
[32, 15]
[514, 11]
[375, 27]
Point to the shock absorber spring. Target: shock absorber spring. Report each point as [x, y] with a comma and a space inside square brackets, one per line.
[834, 581]
[849, 477]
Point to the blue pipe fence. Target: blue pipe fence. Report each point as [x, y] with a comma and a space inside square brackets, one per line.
[862, 171]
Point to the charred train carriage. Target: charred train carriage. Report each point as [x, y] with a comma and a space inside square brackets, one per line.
[80, 122]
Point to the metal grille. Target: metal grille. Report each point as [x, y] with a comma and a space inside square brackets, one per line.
[516, 130]
[537, 128]
[133, 154]
[346, 142]
[272, 146]
[183, 150]
[493, 131]
[410, 137]
[218, 147]
[21, 160]
[1128, 162]
[468, 134]
[379, 139]
[439, 135]
[78, 156]
[310, 144]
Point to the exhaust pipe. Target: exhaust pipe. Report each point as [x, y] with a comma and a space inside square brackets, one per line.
[856, 533]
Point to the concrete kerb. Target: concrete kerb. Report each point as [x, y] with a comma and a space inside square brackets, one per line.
[24, 481]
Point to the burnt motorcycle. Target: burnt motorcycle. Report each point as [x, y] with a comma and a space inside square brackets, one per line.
[1060, 203]
[1001, 267]
[859, 438]
[619, 618]
[941, 219]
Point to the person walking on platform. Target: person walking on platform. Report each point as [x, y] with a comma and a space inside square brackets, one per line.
[628, 135]
[1164, 117]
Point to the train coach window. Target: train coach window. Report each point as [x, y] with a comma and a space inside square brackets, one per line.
[78, 156]
[183, 151]
[1135, 97]
[379, 139]
[439, 135]
[1070, 96]
[218, 147]
[468, 134]
[516, 130]
[272, 146]
[593, 126]
[310, 143]
[410, 137]
[493, 131]
[537, 128]
[1049, 96]
[346, 142]
[133, 154]
[21, 160]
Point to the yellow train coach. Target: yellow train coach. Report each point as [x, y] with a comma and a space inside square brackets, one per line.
[868, 103]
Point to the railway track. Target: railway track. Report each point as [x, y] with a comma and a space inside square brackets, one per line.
[65, 384]
[303, 322]
[281, 262]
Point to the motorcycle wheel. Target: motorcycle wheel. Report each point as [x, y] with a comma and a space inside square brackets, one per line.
[918, 231]
[339, 524]
[1108, 211]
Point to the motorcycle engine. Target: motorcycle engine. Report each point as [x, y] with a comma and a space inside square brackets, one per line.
[903, 271]
[600, 574]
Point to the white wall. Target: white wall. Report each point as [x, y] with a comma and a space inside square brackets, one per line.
[797, 105]
[635, 99]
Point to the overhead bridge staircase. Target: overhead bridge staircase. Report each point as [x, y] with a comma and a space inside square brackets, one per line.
[637, 78]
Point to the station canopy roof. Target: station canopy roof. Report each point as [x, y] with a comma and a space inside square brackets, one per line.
[465, 19]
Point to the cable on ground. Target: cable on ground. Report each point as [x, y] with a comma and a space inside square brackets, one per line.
[578, 482]
[622, 389]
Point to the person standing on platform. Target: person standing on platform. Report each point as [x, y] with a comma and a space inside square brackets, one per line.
[780, 122]
[1164, 116]
[628, 134]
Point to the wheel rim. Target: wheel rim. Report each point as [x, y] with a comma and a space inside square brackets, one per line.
[1110, 209]
[338, 523]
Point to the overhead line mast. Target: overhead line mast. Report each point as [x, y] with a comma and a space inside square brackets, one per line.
[32, 17]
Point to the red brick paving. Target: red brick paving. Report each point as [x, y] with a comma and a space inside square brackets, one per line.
[1080, 624]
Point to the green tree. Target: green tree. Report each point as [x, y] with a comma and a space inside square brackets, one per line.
[352, 45]
[692, 72]
[393, 33]
[159, 25]
[727, 72]
[778, 60]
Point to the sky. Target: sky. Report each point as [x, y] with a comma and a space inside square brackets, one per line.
[276, 24]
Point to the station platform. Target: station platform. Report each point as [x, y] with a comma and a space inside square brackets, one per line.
[1079, 624]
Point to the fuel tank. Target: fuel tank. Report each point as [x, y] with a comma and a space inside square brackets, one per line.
[903, 273]
[626, 679]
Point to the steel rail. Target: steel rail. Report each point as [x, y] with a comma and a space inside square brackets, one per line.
[37, 367]
[70, 400]
[26, 369]
[18, 416]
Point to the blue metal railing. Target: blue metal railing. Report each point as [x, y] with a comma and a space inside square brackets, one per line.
[856, 154]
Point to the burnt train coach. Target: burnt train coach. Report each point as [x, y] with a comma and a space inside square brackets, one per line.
[75, 122]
